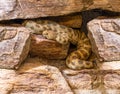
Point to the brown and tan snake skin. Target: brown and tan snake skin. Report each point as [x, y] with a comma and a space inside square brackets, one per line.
[62, 34]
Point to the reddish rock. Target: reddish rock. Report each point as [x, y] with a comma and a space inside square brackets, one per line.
[47, 48]
[14, 46]
[104, 35]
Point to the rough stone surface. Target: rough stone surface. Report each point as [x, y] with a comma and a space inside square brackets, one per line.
[104, 35]
[93, 81]
[6, 80]
[47, 48]
[6, 6]
[73, 21]
[82, 79]
[14, 46]
[12, 9]
[111, 79]
[43, 76]
[37, 78]
[114, 65]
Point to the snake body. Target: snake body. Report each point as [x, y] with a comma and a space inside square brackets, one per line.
[64, 35]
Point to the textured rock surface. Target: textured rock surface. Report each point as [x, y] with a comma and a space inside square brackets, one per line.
[42, 76]
[6, 80]
[37, 78]
[11, 9]
[6, 6]
[47, 48]
[111, 79]
[114, 65]
[80, 79]
[93, 81]
[104, 35]
[14, 46]
[73, 20]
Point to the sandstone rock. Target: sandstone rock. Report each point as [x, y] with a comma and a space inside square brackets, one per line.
[114, 65]
[73, 21]
[13, 9]
[110, 73]
[82, 91]
[14, 46]
[36, 78]
[111, 79]
[104, 35]
[33, 77]
[82, 79]
[47, 48]
[93, 81]
[111, 91]
[6, 80]
[41, 76]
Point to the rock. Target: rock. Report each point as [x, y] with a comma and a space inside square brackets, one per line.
[113, 65]
[42, 76]
[111, 91]
[33, 77]
[82, 79]
[6, 6]
[6, 80]
[14, 46]
[93, 81]
[13, 9]
[110, 75]
[73, 21]
[37, 78]
[104, 35]
[111, 79]
[47, 48]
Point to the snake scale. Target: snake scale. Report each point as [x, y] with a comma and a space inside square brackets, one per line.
[64, 35]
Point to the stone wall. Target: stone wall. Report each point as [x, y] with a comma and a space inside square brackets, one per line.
[13, 9]
[31, 64]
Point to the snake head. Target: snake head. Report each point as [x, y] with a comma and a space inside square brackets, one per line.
[36, 28]
[29, 24]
